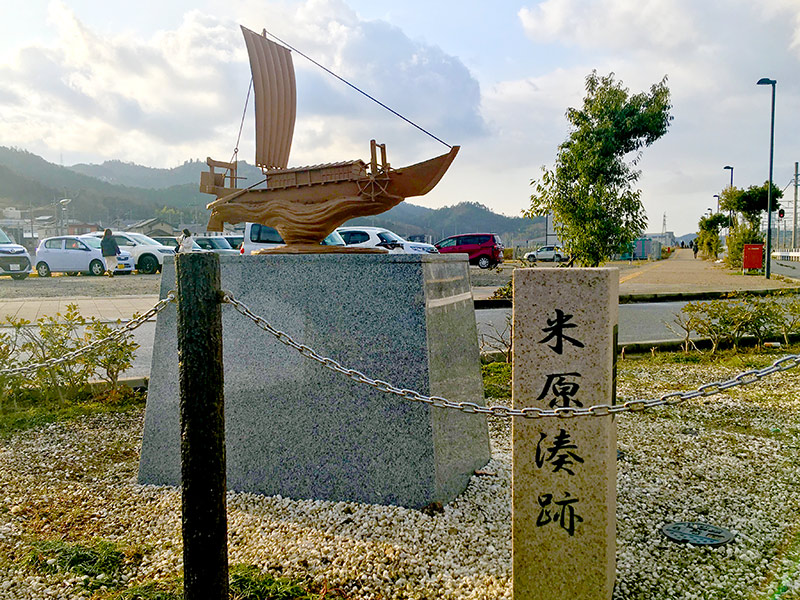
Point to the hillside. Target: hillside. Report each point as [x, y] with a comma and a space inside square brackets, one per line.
[118, 190]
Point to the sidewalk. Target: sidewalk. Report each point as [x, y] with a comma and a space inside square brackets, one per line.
[107, 308]
[681, 274]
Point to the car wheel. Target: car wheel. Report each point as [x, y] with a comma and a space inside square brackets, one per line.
[556, 258]
[96, 268]
[484, 262]
[43, 270]
[148, 264]
[19, 276]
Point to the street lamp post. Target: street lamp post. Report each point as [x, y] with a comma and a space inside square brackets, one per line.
[64, 223]
[717, 197]
[731, 169]
[772, 82]
[730, 211]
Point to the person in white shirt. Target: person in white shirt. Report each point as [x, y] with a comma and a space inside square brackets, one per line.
[185, 242]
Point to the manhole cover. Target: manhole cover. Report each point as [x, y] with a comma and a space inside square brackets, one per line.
[699, 534]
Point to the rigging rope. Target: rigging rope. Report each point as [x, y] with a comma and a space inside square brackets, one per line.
[394, 112]
[241, 125]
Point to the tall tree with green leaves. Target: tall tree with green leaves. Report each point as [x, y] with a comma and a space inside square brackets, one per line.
[596, 210]
[752, 202]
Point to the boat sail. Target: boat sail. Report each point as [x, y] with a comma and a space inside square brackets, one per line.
[305, 204]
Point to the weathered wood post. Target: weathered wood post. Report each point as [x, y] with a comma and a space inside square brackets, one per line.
[204, 517]
[564, 470]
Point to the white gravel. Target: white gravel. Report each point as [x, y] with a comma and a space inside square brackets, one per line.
[730, 460]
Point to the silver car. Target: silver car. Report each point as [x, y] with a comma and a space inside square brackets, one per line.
[76, 254]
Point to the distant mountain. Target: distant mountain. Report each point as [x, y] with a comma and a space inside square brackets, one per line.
[129, 174]
[118, 190]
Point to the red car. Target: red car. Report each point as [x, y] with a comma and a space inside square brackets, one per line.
[484, 249]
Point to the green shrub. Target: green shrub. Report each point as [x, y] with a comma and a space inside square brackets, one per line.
[726, 322]
[737, 238]
[57, 336]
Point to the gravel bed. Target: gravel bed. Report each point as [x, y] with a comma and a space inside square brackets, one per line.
[730, 460]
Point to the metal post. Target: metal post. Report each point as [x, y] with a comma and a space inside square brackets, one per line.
[794, 212]
[770, 82]
[204, 517]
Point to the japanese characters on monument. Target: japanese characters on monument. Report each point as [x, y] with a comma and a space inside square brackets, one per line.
[564, 472]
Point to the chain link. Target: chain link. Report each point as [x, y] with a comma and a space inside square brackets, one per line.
[115, 335]
[600, 410]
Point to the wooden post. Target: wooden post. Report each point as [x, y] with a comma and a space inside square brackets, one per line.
[564, 470]
[204, 517]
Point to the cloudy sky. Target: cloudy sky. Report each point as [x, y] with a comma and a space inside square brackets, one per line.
[163, 82]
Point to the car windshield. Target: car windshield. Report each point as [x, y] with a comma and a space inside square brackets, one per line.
[334, 239]
[142, 239]
[4, 239]
[388, 236]
[220, 243]
[92, 242]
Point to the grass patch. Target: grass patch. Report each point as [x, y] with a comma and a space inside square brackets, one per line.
[100, 564]
[31, 410]
[160, 590]
[247, 582]
[496, 380]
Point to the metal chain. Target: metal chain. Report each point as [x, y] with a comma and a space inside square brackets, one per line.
[601, 410]
[116, 334]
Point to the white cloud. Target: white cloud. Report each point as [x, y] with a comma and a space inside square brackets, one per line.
[180, 92]
[612, 23]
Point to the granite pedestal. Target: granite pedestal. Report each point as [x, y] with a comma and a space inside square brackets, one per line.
[299, 430]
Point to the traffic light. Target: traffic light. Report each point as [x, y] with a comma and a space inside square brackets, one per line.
[780, 213]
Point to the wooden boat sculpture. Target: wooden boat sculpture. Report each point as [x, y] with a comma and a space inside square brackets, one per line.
[305, 204]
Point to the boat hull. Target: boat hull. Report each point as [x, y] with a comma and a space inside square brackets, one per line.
[305, 215]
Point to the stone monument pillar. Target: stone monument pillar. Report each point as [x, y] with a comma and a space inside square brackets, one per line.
[297, 429]
[564, 471]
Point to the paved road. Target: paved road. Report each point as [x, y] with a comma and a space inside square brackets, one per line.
[638, 322]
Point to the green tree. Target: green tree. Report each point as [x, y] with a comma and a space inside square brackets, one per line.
[708, 239]
[596, 210]
[750, 203]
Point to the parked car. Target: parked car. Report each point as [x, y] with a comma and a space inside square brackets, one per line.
[484, 249]
[214, 243]
[14, 259]
[147, 253]
[258, 237]
[378, 237]
[235, 241]
[547, 253]
[76, 254]
[172, 242]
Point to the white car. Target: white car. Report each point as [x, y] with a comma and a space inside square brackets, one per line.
[378, 237]
[550, 253]
[14, 259]
[76, 254]
[259, 237]
[148, 254]
[214, 243]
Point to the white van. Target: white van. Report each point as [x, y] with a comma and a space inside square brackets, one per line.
[258, 236]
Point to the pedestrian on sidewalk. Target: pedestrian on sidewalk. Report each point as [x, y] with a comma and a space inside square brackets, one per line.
[109, 248]
[185, 242]
[694, 248]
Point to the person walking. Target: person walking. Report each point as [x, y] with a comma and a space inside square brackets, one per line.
[109, 248]
[185, 242]
[694, 248]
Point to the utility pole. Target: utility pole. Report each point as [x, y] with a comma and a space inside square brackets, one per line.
[794, 212]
